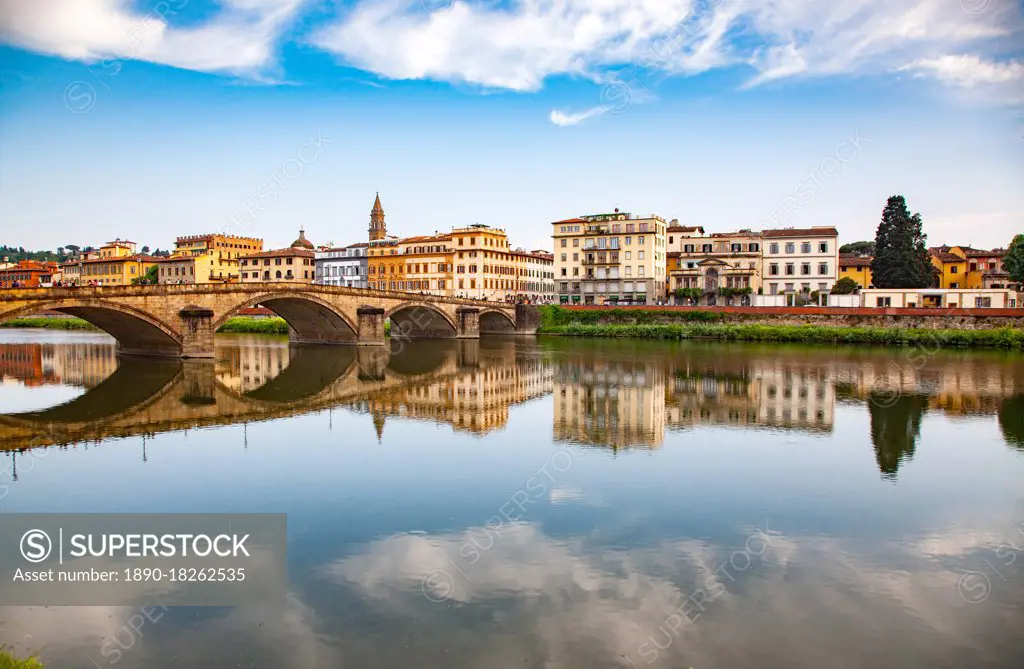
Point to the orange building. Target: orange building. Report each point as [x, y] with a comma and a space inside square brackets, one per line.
[28, 274]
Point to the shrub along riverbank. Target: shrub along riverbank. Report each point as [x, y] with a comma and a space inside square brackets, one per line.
[8, 661]
[54, 323]
[705, 325]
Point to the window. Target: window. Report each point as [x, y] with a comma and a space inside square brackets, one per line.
[953, 269]
[773, 269]
[883, 302]
[629, 241]
[736, 248]
[790, 247]
[805, 247]
[754, 248]
[640, 270]
[629, 255]
[563, 257]
[688, 248]
[774, 289]
[805, 269]
[639, 255]
[576, 241]
[790, 269]
[671, 239]
[640, 240]
[823, 268]
[823, 247]
[629, 270]
[773, 248]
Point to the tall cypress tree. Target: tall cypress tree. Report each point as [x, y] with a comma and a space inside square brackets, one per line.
[901, 256]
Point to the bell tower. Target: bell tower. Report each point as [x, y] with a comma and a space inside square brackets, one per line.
[378, 230]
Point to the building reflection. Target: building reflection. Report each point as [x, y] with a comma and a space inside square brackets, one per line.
[612, 395]
[609, 402]
[83, 365]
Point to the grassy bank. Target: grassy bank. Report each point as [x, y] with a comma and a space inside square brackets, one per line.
[244, 324]
[8, 661]
[275, 326]
[54, 323]
[651, 324]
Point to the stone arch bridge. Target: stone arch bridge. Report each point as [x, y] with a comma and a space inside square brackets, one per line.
[180, 320]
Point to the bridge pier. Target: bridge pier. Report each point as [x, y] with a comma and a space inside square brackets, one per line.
[370, 321]
[527, 319]
[468, 322]
[197, 332]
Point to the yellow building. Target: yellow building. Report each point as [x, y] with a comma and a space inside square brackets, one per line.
[857, 268]
[952, 267]
[211, 258]
[114, 264]
[984, 268]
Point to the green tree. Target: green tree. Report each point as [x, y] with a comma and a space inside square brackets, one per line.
[845, 286]
[1011, 421]
[858, 248]
[1014, 260]
[895, 428]
[901, 256]
[145, 250]
[150, 278]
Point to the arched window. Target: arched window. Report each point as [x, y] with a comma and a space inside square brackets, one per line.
[278, 274]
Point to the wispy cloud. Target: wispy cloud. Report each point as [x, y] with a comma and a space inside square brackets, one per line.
[517, 45]
[563, 118]
[240, 39]
[969, 71]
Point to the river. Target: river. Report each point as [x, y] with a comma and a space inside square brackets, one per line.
[557, 503]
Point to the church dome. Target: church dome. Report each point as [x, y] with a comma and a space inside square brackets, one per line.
[302, 242]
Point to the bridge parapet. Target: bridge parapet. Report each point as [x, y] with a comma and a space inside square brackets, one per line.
[180, 320]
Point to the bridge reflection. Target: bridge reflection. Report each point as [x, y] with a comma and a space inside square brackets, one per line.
[617, 395]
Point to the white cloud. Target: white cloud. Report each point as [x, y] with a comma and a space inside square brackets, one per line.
[240, 39]
[562, 118]
[1005, 78]
[518, 45]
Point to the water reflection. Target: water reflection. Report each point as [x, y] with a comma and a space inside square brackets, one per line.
[813, 499]
[618, 396]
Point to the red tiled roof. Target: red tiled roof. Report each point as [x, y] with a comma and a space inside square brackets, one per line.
[280, 253]
[978, 253]
[851, 260]
[570, 220]
[684, 228]
[948, 257]
[425, 238]
[801, 232]
[138, 257]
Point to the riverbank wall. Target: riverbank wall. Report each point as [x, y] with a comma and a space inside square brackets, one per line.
[933, 319]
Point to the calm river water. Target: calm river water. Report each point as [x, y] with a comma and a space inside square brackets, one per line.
[547, 503]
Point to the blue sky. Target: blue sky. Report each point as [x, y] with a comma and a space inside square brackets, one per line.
[152, 119]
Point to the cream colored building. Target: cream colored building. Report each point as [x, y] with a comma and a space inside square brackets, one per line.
[721, 265]
[614, 258]
[293, 264]
[800, 260]
[964, 298]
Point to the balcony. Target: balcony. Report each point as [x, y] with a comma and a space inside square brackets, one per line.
[597, 258]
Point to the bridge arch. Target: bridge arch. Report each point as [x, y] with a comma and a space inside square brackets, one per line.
[137, 332]
[311, 319]
[494, 321]
[421, 320]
